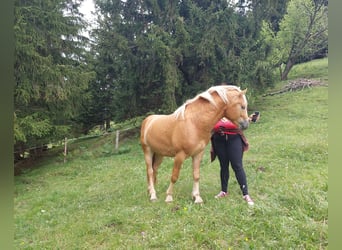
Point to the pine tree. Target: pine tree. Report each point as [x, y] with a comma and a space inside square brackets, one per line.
[51, 70]
[155, 54]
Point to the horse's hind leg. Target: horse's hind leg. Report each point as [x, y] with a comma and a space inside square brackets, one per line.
[150, 175]
[178, 161]
[152, 164]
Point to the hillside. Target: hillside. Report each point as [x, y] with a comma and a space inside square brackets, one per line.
[97, 199]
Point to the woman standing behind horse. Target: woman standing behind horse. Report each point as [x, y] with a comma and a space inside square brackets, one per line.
[186, 132]
[229, 143]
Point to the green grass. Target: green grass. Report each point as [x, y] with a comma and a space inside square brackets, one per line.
[316, 69]
[98, 198]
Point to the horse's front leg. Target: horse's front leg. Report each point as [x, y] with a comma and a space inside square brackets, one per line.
[178, 161]
[196, 161]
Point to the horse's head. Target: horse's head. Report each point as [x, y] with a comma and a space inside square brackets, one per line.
[236, 110]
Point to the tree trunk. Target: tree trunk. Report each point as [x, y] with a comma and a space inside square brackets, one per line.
[280, 70]
[107, 124]
[288, 67]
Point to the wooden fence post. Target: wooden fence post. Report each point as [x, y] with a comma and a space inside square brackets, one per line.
[117, 140]
[65, 148]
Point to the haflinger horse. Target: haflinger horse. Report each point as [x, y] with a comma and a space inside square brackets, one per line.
[186, 132]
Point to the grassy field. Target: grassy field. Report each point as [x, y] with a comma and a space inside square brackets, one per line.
[98, 198]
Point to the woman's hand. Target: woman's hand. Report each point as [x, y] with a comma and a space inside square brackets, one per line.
[254, 117]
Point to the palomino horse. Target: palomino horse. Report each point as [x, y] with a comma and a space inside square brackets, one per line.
[186, 132]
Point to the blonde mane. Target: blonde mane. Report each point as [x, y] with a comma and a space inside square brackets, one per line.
[221, 90]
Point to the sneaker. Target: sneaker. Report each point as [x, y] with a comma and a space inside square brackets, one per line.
[221, 194]
[248, 199]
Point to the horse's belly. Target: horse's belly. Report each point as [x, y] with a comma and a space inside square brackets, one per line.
[163, 149]
[164, 136]
[171, 149]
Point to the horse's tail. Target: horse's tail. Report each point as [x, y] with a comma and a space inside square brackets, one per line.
[145, 127]
[153, 159]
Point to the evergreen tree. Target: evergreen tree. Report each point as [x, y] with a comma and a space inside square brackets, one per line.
[51, 70]
[134, 50]
[156, 53]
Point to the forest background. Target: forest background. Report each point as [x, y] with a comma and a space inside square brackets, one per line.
[143, 57]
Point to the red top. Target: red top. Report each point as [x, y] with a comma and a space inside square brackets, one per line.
[224, 126]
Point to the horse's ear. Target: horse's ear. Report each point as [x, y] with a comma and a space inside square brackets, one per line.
[244, 91]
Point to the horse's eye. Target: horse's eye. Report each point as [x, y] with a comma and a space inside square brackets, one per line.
[243, 107]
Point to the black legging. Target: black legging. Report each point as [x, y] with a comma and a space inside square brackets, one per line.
[228, 149]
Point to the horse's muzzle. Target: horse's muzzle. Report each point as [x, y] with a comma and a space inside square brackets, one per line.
[244, 124]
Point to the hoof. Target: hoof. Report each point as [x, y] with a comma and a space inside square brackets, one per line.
[198, 200]
[153, 197]
[169, 199]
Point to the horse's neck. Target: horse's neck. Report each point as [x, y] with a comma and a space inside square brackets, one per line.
[206, 115]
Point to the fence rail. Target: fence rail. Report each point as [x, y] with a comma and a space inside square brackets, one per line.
[35, 151]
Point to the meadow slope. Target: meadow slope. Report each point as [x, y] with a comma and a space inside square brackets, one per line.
[98, 198]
